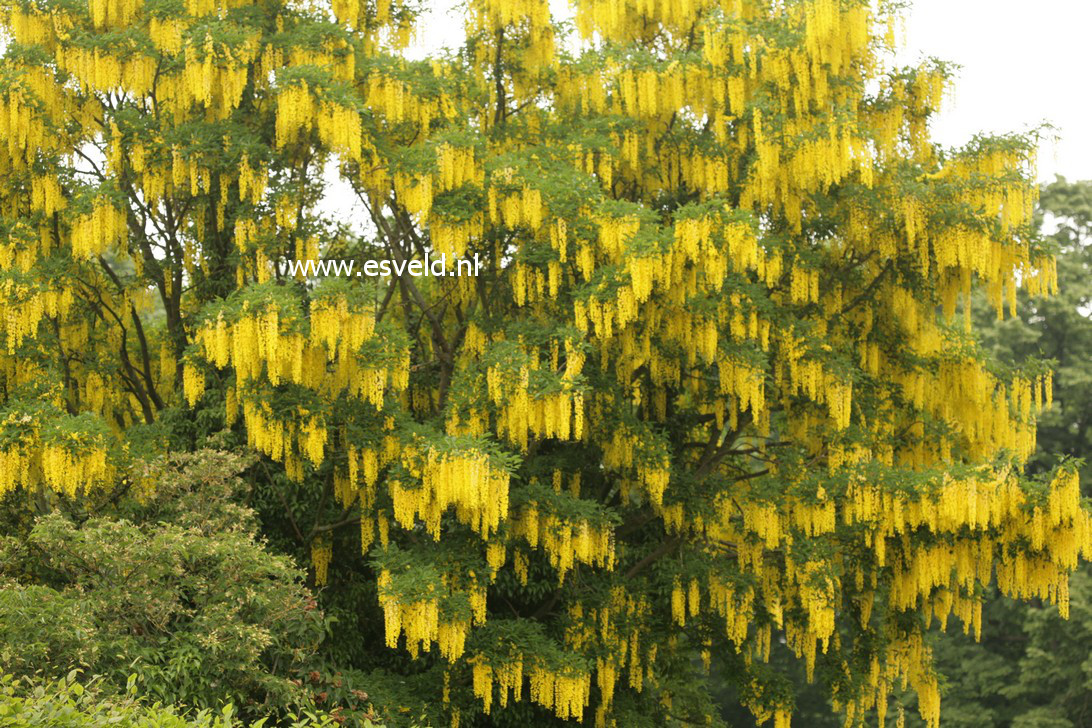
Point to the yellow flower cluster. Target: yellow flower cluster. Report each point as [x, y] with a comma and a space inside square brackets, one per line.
[30, 27]
[565, 691]
[807, 376]
[453, 238]
[565, 542]
[985, 525]
[46, 195]
[322, 550]
[811, 167]
[744, 383]
[620, 453]
[909, 660]
[22, 128]
[113, 13]
[990, 504]
[616, 629]
[298, 111]
[186, 172]
[531, 286]
[606, 317]
[166, 34]
[685, 601]
[522, 207]
[347, 12]
[362, 470]
[464, 479]
[24, 306]
[92, 234]
[623, 20]
[736, 607]
[805, 155]
[415, 193]
[68, 472]
[303, 436]
[816, 591]
[214, 78]
[71, 467]
[335, 55]
[421, 622]
[509, 677]
[254, 344]
[260, 344]
[503, 13]
[694, 243]
[1008, 199]
[695, 263]
[990, 416]
[98, 71]
[558, 415]
[97, 394]
[456, 167]
[252, 181]
[339, 129]
[393, 99]
[362, 16]
[338, 328]
[193, 384]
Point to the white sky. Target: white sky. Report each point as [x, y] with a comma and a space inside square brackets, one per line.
[1022, 63]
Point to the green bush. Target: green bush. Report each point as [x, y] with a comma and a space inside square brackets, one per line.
[69, 703]
[180, 592]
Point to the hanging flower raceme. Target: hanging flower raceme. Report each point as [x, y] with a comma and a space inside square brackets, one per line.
[68, 456]
[258, 340]
[561, 688]
[456, 167]
[567, 538]
[340, 327]
[642, 454]
[25, 305]
[299, 112]
[536, 398]
[95, 232]
[512, 204]
[388, 94]
[463, 477]
[215, 72]
[426, 609]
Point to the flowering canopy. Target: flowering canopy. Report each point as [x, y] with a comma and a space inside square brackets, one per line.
[709, 393]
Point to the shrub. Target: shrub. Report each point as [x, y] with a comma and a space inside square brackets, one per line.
[69, 703]
[180, 592]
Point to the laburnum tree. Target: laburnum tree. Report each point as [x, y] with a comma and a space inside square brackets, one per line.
[710, 390]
